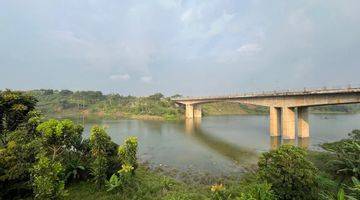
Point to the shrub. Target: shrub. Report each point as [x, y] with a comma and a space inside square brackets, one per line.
[347, 162]
[100, 141]
[121, 179]
[98, 170]
[100, 144]
[127, 152]
[47, 181]
[58, 137]
[289, 173]
[218, 192]
[258, 191]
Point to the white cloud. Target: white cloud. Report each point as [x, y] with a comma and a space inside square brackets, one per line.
[120, 77]
[249, 49]
[146, 79]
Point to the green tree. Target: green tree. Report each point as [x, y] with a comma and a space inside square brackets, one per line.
[17, 158]
[14, 108]
[47, 179]
[101, 145]
[59, 136]
[291, 175]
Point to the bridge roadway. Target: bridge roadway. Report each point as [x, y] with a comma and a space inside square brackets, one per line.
[284, 106]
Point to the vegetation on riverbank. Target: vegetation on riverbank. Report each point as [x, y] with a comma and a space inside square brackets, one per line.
[49, 159]
[94, 104]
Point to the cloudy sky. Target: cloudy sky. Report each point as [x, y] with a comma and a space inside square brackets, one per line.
[178, 46]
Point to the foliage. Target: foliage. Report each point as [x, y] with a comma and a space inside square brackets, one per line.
[112, 105]
[47, 179]
[218, 192]
[258, 191]
[121, 179]
[347, 151]
[59, 136]
[146, 185]
[100, 143]
[127, 152]
[127, 157]
[74, 166]
[291, 175]
[354, 190]
[17, 157]
[14, 109]
[99, 169]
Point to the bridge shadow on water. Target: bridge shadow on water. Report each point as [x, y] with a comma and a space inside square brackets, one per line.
[230, 150]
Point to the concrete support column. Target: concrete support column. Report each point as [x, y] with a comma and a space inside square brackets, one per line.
[288, 123]
[189, 111]
[275, 121]
[303, 122]
[197, 111]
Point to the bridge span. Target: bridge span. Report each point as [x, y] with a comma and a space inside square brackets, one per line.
[284, 106]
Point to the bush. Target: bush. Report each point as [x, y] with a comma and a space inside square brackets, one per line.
[98, 170]
[121, 179]
[218, 192]
[127, 157]
[47, 181]
[100, 144]
[127, 152]
[347, 162]
[258, 191]
[100, 141]
[289, 173]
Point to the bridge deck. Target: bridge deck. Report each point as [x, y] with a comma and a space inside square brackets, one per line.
[276, 93]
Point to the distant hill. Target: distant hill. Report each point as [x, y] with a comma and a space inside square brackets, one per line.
[66, 103]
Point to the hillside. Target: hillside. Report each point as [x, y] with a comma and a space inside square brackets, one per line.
[66, 103]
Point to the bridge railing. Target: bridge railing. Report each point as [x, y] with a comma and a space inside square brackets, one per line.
[305, 90]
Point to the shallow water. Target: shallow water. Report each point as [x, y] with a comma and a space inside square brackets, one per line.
[218, 144]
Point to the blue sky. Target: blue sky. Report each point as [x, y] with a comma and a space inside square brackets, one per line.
[179, 46]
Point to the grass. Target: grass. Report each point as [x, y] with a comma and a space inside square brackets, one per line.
[147, 185]
[153, 184]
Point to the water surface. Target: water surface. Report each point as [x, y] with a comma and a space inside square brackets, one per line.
[218, 144]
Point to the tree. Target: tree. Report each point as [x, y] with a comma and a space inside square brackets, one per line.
[156, 96]
[100, 143]
[18, 157]
[57, 136]
[14, 108]
[291, 175]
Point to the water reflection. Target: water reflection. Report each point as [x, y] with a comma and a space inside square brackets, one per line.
[238, 154]
[304, 142]
[276, 142]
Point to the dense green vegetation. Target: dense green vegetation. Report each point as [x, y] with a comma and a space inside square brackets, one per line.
[49, 159]
[65, 103]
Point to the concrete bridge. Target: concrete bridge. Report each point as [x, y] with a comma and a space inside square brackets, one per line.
[284, 106]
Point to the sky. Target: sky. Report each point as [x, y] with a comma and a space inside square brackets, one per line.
[183, 47]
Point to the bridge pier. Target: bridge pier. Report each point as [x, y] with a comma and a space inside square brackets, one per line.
[303, 122]
[189, 111]
[197, 111]
[193, 111]
[288, 123]
[275, 120]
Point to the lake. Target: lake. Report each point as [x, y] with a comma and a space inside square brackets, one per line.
[218, 144]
